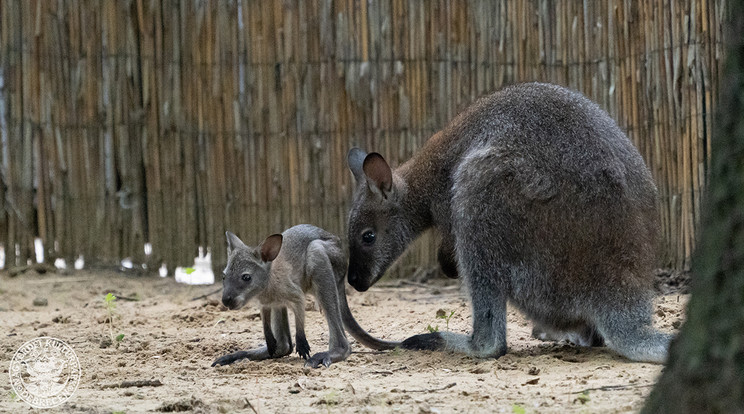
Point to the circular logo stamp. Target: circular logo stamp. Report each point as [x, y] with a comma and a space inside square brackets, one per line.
[44, 372]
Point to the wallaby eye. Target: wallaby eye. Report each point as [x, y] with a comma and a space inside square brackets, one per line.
[246, 277]
[368, 237]
[223, 276]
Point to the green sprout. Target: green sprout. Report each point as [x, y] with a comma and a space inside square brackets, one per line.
[442, 314]
[583, 397]
[110, 302]
[331, 398]
[432, 329]
[518, 409]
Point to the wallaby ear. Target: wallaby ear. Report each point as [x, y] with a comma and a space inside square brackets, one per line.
[270, 247]
[233, 242]
[355, 160]
[378, 173]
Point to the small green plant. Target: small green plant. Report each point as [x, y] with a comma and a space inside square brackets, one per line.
[189, 270]
[331, 398]
[518, 409]
[583, 397]
[13, 396]
[442, 314]
[110, 302]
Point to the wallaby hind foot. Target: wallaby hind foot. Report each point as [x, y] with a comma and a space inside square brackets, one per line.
[630, 333]
[278, 339]
[645, 344]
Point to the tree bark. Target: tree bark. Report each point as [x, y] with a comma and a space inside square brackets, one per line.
[705, 370]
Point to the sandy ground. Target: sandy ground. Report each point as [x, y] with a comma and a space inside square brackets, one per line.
[170, 338]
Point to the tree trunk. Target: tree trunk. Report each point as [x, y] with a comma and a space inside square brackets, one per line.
[705, 371]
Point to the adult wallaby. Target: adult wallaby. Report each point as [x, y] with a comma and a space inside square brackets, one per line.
[540, 199]
[278, 273]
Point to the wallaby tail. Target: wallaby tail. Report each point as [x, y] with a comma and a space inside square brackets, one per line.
[353, 328]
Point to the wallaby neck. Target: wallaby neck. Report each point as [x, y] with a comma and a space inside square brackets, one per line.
[427, 177]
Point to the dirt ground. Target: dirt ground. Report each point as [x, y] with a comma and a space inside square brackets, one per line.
[170, 338]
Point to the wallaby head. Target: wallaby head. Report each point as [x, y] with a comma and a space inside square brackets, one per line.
[248, 269]
[378, 231]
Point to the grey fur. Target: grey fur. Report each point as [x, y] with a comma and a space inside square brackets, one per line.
[541, 200]
[309, 259]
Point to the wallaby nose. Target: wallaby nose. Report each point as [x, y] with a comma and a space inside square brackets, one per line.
[357, 282]
[228, 301]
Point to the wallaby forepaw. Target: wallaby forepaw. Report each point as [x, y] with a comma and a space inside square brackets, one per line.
[303, 349]
[271, 345]
[321, 358]
[428, 342]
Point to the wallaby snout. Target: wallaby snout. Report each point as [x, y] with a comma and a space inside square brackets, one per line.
[358, 282]
[229, 301]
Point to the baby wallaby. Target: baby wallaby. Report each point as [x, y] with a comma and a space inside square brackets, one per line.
[540, 200]
[278, 273]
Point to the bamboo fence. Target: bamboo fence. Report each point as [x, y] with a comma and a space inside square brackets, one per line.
[169, 122]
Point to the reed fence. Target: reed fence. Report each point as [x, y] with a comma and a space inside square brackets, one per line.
[168, 122]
